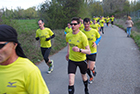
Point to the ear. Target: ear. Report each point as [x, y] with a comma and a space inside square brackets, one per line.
[15, 45]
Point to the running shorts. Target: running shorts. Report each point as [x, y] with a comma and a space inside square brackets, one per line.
[72, 66]
[91, 57]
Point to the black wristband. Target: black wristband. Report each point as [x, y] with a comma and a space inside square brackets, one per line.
[80, 50]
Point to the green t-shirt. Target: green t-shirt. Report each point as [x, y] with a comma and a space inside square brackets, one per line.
[21, 77]
[92, 35]
[80, 40]
[43, 34]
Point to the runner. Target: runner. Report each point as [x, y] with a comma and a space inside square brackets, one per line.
[81, 22]
[93, 38]
[18, 75]
[102, 25]
[95, 25]
[107, 21]
[129, 24]
[78, 47]
[112, 20]
[68, 29]
[45, 35]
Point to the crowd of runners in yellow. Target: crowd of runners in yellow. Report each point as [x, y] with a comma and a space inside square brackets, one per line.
[82, 37]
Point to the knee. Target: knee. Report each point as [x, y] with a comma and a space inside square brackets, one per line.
[46, 59]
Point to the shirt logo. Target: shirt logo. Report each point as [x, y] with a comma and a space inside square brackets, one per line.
[77, 40]
[11, 84]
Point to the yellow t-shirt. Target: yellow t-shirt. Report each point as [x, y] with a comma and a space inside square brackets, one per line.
[21, 77]
[43, 34]
[112, 19]
[107, 20]
[81, 27]
[92, 35]
[67, 30]
[94, 26]
[80, 40]
[102, 23]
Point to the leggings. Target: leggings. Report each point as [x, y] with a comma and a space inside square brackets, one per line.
[45, 53]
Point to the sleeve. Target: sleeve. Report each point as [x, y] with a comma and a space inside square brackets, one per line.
[98, 38]
[35, 84]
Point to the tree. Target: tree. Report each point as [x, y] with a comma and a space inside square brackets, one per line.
[111, 6]
[30, 13]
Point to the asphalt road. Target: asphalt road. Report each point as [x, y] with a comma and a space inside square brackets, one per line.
[117, 65]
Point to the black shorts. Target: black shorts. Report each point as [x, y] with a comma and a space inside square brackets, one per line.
[112, 22]
[102, 29]
[72, 66]
[91, 57]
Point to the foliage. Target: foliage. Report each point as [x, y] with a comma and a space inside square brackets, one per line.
[20, 13]
[60, 12]
[95, 9]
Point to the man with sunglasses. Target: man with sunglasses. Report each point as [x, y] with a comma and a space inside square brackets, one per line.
[93, 38]
[78, 47]
[18, 75]
[45, 35]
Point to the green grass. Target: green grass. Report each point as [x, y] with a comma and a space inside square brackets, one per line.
[26, 30]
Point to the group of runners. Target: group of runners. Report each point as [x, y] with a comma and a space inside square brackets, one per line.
[82, 37]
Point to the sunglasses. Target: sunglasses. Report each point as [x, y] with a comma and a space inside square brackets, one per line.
[2, 45]
[73, 24]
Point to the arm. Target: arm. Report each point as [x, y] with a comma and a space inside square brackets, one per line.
[85, 51]
[37, 38]
[67, 56]
[98, 40]
[47, 39]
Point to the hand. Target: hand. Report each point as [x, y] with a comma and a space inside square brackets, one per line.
[75, 49]
[47, 39]
[67, 57]
[94, 44]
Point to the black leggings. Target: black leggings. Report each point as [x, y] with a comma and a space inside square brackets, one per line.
[45, 53]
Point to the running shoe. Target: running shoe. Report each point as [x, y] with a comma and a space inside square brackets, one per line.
[94, 71]
[90, 80]
[51, 67]
[86, 91]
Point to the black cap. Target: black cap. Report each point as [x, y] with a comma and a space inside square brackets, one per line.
[8, 33]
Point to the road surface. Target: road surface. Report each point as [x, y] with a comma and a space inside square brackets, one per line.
[117, 65]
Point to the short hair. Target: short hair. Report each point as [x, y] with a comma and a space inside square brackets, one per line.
[129, 18]
[86, 20]
[76, 19]
[41, 20]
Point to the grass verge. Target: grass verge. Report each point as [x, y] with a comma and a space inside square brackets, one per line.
[134, 34]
